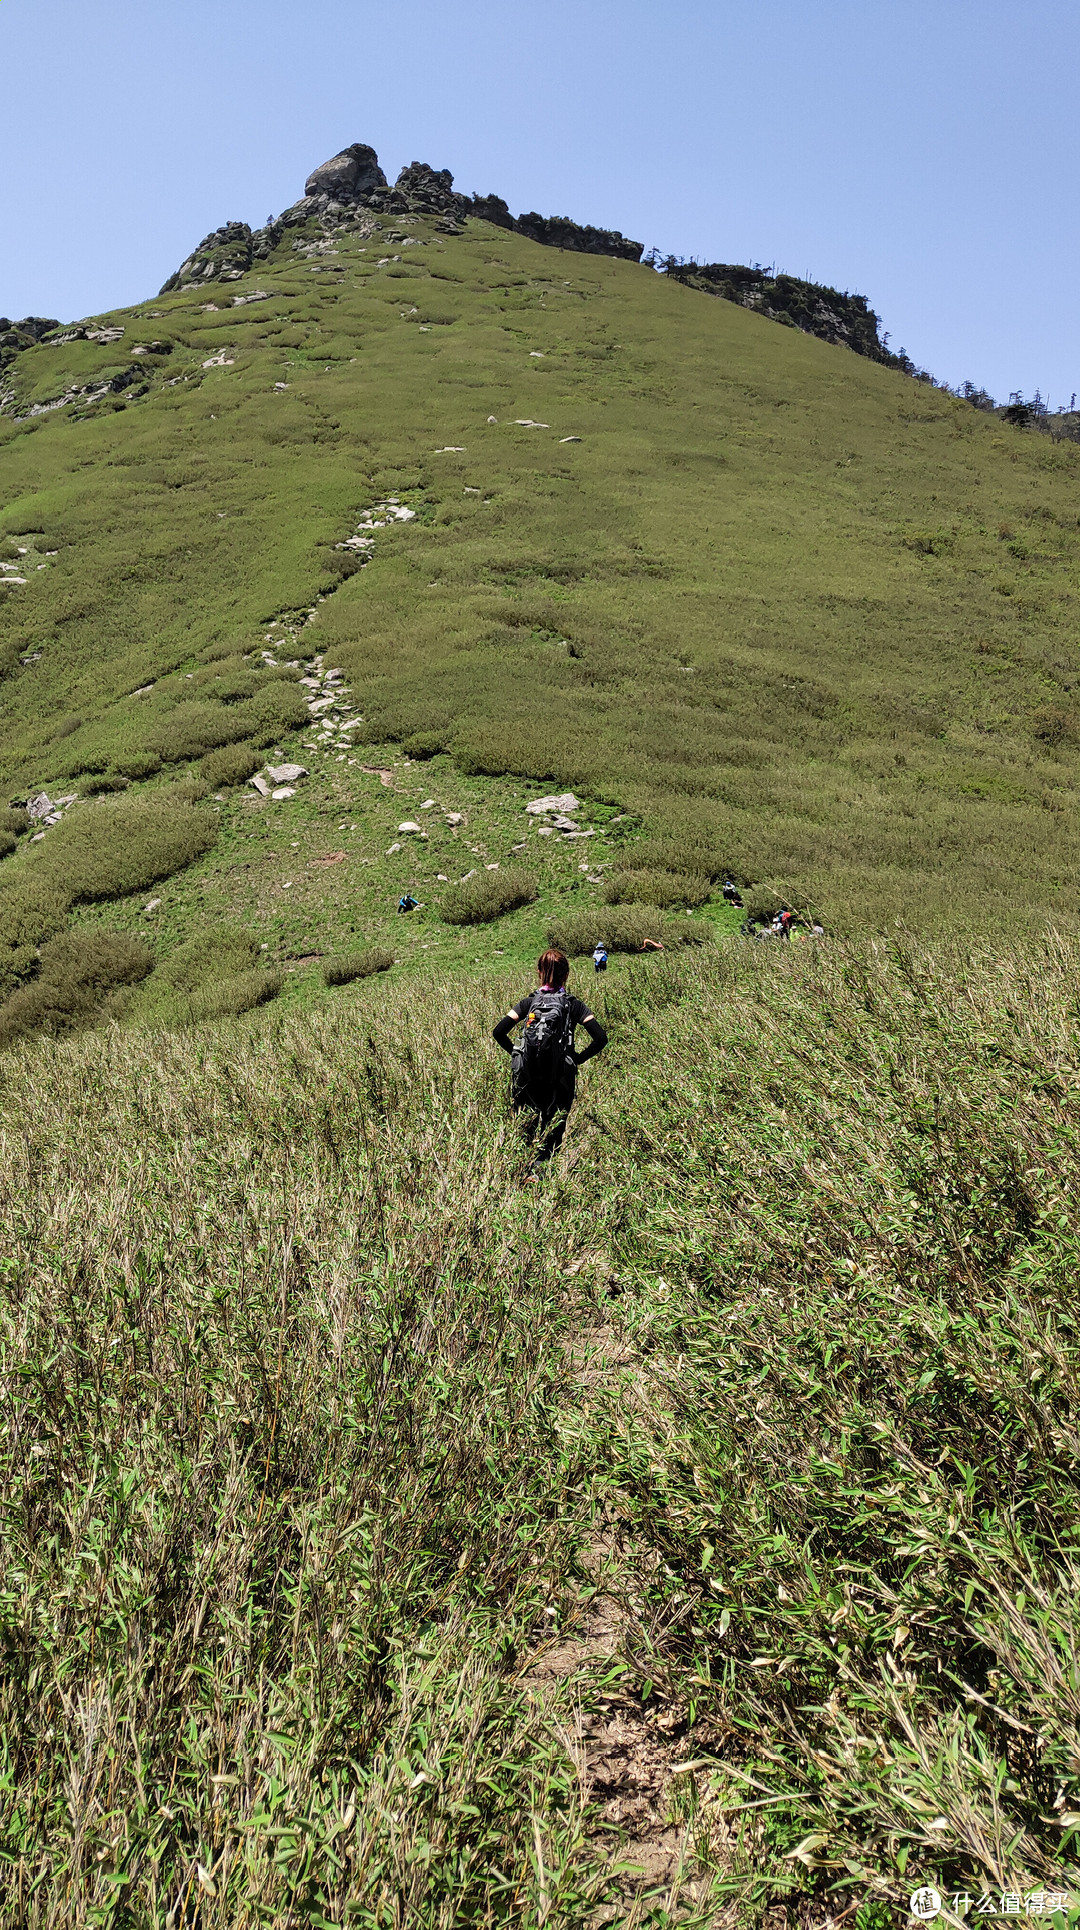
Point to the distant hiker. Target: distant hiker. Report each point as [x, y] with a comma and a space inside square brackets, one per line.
[599, 957]
[786, 919]
[407, 902]
[730, 889]
[545, 1063]
[817, 929]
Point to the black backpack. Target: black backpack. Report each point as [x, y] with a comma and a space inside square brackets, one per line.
[547, 1043]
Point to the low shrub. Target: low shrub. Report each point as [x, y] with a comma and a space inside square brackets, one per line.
[488, 895]
[87, 764]
[194, 728]
[106, 850]
[80, 974]
[233, 686]
[280, 706]
[16, 821]
[234, 764]
[422, 745]
[663, 888]
[221, 951]
[231, 996]
[98, 786]
[687, 856]
[31, 912]
[138, 764]
[625, 928]
[7, 844]
[354, 965]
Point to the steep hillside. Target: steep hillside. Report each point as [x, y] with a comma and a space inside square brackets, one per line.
[759, 603]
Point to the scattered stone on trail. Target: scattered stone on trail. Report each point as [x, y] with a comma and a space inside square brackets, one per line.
[283, 790]
[452, 449]
[152, 906]
[143, 690]
[320, 704]
[569, 438]
[285, 773]
[492, 867]
[391, 849]
[261, 786]
[37, 837]
[493, 418]
[455, 817]
[219, 361]
[540, 806]
[40, 807]
[408, 825]
[428, 804]
[526, 422]
[544, 831]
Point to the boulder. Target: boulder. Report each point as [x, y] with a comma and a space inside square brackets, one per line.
[349, 175]
[408, 826]
[261, 786]
[285, 773]
[39, 808]
[541, 806]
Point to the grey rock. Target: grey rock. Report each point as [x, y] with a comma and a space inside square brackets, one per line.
[541, 806]
[39, 807]
[285, 773]
[348, 175]
[261, 786]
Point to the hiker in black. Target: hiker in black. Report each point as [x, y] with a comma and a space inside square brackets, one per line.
[544, 1061]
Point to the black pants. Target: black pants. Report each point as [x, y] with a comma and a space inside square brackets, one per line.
[542, 1117]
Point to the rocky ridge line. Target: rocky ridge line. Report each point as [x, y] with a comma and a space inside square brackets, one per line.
[351, 189]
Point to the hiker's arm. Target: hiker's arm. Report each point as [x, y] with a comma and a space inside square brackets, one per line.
[501, 1034]
[597, 1037]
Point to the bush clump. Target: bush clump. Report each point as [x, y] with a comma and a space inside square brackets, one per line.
[7, 844]
[79, 978]
[107, 850]
[422, 745]
[231, 996]
[626, 928]
[194, 728]
[684, 856]
[99, 786]
[661, 888]
[138, 765]
[219, 952]
[488, 895]
[234, 764]
[354, 965]
[31, 911]
[15, 822]
[280, 706]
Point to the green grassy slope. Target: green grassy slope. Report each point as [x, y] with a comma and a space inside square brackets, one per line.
[325, 1439]
[776, 602]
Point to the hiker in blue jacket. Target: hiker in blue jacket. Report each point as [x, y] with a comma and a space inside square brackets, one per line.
[545, 1062]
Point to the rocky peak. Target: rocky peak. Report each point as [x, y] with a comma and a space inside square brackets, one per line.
[351, 188]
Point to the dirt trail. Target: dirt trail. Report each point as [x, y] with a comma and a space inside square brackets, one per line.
[626, 1750]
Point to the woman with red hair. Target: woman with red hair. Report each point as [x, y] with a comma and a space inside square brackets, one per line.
[545, 1062]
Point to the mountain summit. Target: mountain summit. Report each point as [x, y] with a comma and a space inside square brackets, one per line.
[350, 188]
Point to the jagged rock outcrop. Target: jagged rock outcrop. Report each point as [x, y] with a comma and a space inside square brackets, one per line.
[351, 188]
[15, 336]
[846, 320]
[225, 255]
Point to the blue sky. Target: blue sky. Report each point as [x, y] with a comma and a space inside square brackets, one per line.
[923, 153]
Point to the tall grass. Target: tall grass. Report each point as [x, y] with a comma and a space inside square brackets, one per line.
[298, 1468]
